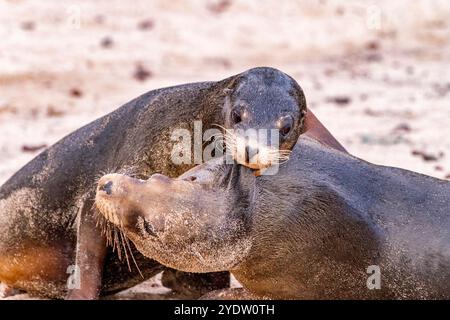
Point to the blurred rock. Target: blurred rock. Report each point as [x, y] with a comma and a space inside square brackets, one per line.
[425, 156]
[441, 89]
[146, 24]
[402, 128]
[409, 70]
[28, 25]
[372, 113]
[52, 112]
[99, 19]
[363, 96]
[141, 73]
[76, 93]
[373, 57]
[219, 6]
[373, 45]
[382, 140]
[107, 42]
[31, 148]
[220, 61]
[329, 72]
[340, 100]
[340, 11]
[6, 108]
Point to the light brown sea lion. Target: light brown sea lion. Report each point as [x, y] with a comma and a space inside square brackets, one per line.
[312, 231]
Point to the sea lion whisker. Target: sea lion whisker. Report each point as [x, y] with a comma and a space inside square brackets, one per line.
[276, 155]
[117, 243]
[94, 205]
[124, 248]
[113, 240]
[131, 171]
[229, 144]
[132, 256]
[220, 147]
[220, 126]
[284, 155]
[229, 139]
[230, 134]
[276, 151]
[279, 162]
[102, 224]
[102, 173]
[218, 135]
[109, 235]
[216, 139]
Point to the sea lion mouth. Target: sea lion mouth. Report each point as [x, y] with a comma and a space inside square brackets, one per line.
[244, 147]
[261, 157]
[108, 210]
[253, 154]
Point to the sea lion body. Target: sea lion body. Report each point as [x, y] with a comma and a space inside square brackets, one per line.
[46, 215]
[312, 231]
[39, 205]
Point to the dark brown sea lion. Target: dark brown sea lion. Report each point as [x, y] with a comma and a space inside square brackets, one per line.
[312, 231]
[47, 223]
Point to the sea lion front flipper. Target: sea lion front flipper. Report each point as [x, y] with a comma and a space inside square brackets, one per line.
[7, 291]
[194, 285]
[90, 255]
[316, 130]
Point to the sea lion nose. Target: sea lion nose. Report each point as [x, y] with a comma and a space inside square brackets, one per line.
[107, 187]
[250, 153]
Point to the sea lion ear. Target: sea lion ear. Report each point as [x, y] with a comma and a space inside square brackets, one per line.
[232, 84]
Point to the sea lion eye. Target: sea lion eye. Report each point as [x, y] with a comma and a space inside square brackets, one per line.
[149, 229]
[236, 116]
[285, 125]
[191, 178]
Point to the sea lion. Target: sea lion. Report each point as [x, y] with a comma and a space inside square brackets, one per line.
[46, 218]
[312, 231]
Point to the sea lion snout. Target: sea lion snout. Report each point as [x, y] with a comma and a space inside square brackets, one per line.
[124, 200]
[111, 185]
[114, 198]
[184, 223]
[117, 185]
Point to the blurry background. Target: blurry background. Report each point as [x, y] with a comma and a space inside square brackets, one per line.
[377, 73]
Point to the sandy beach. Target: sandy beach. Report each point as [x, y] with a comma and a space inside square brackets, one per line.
[375, 73]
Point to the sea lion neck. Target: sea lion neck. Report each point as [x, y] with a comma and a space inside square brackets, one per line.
[220, 175]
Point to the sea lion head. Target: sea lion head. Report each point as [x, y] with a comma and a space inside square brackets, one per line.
[191, 223]
[264, 113]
